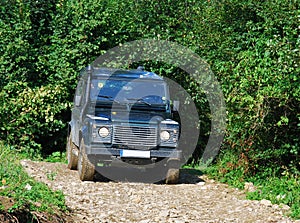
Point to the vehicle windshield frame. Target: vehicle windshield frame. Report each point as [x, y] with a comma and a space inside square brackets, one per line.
[128, 91]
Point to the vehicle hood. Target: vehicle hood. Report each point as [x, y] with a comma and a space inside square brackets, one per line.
[132, 117]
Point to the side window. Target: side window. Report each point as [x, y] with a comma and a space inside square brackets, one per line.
[79, 94]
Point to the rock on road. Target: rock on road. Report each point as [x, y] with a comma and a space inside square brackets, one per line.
[195, 199]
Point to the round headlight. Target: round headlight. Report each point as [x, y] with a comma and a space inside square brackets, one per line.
[164, 135]
[103, 132]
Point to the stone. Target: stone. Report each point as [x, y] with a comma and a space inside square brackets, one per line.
[164, 213]
[266, 202]
[201, 183]
[249, 187]
[284, 207]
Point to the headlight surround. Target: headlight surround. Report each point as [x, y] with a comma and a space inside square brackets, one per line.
[169, 133]
[164, 135]
[103, 132]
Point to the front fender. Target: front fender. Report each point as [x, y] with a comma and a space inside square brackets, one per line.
[86, 136]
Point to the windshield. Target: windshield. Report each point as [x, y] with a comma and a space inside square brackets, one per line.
[127, 91]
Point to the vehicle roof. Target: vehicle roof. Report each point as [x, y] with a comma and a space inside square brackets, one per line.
[120, 73]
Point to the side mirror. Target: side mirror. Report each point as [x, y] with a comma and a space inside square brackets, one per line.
[77, 100]
[176, 105]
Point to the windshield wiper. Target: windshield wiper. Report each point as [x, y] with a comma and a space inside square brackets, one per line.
[108, 97]
[139, 100]
[104, 96]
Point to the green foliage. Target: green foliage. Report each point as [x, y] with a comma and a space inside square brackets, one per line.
[252, 47]
[33, 110]
[228, 169]
[25, 191]
[57, 157]
[30, 116]
[262, 89]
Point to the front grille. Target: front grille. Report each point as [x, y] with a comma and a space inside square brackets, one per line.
[135, 136]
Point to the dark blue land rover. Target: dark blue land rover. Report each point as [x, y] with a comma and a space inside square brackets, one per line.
[123, 118]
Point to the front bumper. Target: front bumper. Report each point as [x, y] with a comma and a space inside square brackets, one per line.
[155, 153]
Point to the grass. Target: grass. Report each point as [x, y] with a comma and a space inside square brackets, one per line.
[25, 192]
[56, 157]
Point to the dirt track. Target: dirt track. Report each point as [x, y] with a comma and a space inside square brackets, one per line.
[195, 199]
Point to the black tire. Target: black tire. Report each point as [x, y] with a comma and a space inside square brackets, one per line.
[172, 176]
[72, 154]
[86, 169]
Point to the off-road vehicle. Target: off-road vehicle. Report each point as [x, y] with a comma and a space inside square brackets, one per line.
[123, 117]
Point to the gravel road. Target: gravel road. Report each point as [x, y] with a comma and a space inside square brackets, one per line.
[195, 199]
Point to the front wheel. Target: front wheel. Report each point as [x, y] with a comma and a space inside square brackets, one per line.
[172, 176]
[86, 169]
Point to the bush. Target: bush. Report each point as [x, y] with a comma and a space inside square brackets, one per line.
[262, 90]
[253, 49]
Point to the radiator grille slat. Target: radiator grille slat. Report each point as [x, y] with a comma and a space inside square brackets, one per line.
[135, 136]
